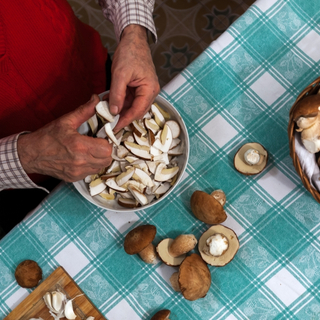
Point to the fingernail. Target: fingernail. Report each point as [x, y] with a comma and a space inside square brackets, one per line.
[92, 98]
[114, 109]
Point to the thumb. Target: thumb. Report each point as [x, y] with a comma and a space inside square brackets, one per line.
[84, 112]
[117, 94]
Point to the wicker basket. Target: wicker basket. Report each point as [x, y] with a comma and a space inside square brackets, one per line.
[312, 88]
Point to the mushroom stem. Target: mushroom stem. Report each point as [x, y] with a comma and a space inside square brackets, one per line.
[174, 279]
[148, 254]
[182, 244]
[216, 245]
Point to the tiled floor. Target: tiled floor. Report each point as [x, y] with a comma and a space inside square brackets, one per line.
[185, 28]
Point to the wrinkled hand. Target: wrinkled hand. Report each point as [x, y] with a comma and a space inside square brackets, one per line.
[134, 83]
[58, 150]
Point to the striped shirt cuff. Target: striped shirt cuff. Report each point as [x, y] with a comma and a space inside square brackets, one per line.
[12, 175]
[125, 12]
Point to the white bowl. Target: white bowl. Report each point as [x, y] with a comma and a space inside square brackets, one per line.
[182, 160]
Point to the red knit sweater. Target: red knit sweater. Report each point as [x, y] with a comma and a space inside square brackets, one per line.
[50, 63]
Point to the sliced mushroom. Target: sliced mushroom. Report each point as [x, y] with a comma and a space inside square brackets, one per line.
[102, 108]
[96, 187]
[93, 123]
[141, 176]
[165, 114]
[158, 116]
[173, 251]
[106, 195]
[110, 134]
[140, 140]
[175, 128]
[127, 203]
[163, 174]
[139, 196]
[140, 151]
[122, 178]
[246, 167]
[151, 125]
[138, 129]
[218, 245]
[113, 185]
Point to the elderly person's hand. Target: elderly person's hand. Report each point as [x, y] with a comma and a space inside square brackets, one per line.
[58, 150]
[134, 83]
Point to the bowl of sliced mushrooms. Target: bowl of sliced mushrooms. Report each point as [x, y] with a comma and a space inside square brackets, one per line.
[149, 158]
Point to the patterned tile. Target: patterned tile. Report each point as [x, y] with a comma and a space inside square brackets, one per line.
[184, 28]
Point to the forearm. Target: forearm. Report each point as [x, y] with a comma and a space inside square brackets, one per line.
[12, 174]
[128, 12]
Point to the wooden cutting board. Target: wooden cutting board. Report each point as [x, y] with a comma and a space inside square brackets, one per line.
[34, 307]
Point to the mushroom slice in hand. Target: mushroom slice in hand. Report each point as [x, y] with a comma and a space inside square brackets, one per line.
[96, 187]
[139, 240]
[251, 159]
[193, 279]
[102, 108]
[140, 151]
[110, 134]
[93, 123]
[173, 251]
[206, 208]
[218, 245]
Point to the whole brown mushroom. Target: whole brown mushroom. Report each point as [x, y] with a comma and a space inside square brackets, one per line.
[207, 208]
[28, 274]
[139, 240]
[193, 278]
[162, 315]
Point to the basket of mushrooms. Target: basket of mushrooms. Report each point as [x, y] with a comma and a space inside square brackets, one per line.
[304, 137]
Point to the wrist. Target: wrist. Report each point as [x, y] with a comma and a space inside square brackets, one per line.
[136, 31]
[24, 149]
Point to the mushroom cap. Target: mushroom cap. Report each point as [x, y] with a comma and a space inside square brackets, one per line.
[206, 208]
[161, 315]
[306, 107]
[163, 252]
[28, 274]
[139, 238]
[246, 169]
[194, 277]
[229, 253]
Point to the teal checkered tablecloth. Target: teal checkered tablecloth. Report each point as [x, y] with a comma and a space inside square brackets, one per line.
[239, 90]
